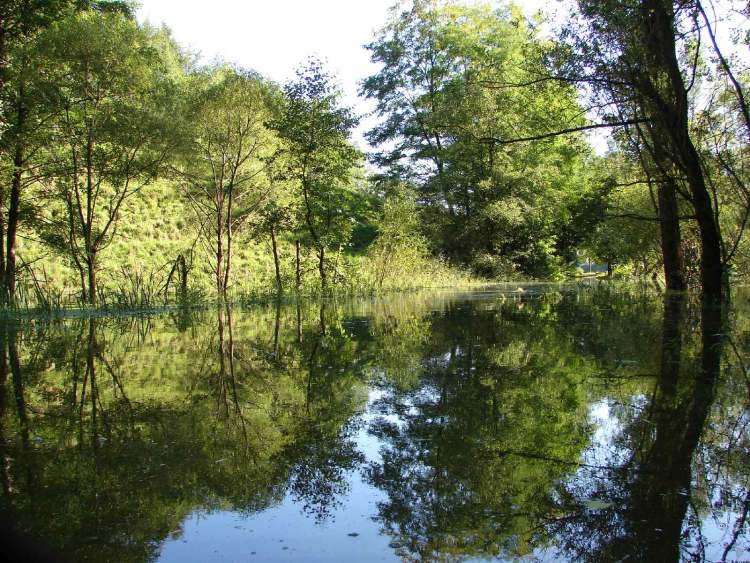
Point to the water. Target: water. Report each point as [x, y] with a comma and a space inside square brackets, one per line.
[550, 424]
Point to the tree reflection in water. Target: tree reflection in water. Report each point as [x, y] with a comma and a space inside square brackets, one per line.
[646, 497]
[583, 424]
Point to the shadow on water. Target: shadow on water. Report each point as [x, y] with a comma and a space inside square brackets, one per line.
[577, 424]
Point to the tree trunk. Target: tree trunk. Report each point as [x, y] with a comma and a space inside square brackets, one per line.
[183, 271]
[322, 317]
[299, 323]
[2, 238]
[670, 106]
[228, 258]
[712, 267]
[322, 269]
[3, 65]
[82, 274]
[19, 157]
[219, 256]
[279, 287]
[669, 225]
[297, 266]
[13, 212]
[88, 225]
[5, 459]
[3, 46]
[91, 265]
[316, 240]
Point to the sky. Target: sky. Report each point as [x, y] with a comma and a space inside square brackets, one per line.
[274, 36]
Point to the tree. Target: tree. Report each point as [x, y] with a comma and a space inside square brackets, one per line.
[24, 113]
[224, 166]
[414, 69]
[446, 113]
[399, 245]
[320, 159]
[274, 220]
[112, 130]
[630, 54]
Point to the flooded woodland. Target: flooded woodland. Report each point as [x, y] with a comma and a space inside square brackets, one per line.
[252, 311]
[586, 423]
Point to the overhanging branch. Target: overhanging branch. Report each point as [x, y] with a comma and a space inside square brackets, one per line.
[562, 132]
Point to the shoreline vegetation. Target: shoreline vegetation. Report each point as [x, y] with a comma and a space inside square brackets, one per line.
[125, 302]
[160, 306]
[135, 175]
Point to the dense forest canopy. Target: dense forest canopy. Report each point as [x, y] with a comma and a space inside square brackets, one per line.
[132, 173]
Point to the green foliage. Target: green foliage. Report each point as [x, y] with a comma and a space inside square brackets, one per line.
[399, 250]
[320, 159]
[224, 163]
[448, 93]
[112, 107]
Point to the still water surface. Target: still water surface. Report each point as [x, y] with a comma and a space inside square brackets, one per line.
[551, 424]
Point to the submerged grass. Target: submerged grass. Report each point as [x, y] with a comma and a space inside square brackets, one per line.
[143, 289]
[137, 293]
[116, 305]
